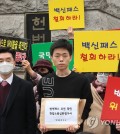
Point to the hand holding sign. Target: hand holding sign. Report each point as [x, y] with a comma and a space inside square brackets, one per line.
[70, 33]
[42, 128]
[72, 128]
[56, 116]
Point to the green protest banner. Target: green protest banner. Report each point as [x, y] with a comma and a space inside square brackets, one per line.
[42, 51]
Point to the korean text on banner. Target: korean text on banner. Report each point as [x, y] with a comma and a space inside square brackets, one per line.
[96, 51]
[20, 45]
[65, 13]
[37, 27]
[111, 106]
[56, 116]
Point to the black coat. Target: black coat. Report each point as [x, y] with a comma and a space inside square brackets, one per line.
[19, 113]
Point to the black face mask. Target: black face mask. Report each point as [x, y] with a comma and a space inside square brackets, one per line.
[43, 74]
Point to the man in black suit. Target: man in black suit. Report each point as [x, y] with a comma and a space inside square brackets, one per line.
[17, 103]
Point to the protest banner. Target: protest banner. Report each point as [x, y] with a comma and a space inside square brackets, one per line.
[96, 51]
[63, 14]
[20, 45]
[111, 106]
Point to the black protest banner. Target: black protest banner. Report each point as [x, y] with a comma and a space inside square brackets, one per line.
[20, 45]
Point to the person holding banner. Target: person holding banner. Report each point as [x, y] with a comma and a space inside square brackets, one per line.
[90, 76]
[64, 83]
[17, 103]
[39, 70]
[98, 91]
[98, 88]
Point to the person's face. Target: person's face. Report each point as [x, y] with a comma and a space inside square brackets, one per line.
[103, 77]
[6, 57]
[7, 64]
[42, 70]
[61, 58]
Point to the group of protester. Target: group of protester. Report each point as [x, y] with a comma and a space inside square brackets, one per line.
[20, 102]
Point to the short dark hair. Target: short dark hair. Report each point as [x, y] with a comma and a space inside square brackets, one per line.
[8, 50]
[61, 43]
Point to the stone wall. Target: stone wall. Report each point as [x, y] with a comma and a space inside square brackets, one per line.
[99, 15]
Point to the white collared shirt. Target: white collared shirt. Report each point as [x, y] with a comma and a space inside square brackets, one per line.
[9, 80]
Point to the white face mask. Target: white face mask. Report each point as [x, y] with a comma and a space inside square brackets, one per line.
[6, 67]
[102, 78]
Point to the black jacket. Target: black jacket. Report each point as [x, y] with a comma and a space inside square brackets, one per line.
[19, 113]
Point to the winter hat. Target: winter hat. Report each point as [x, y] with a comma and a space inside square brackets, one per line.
[43, 63]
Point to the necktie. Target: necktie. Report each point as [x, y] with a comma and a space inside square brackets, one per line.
[4, 90]
[4, 83]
